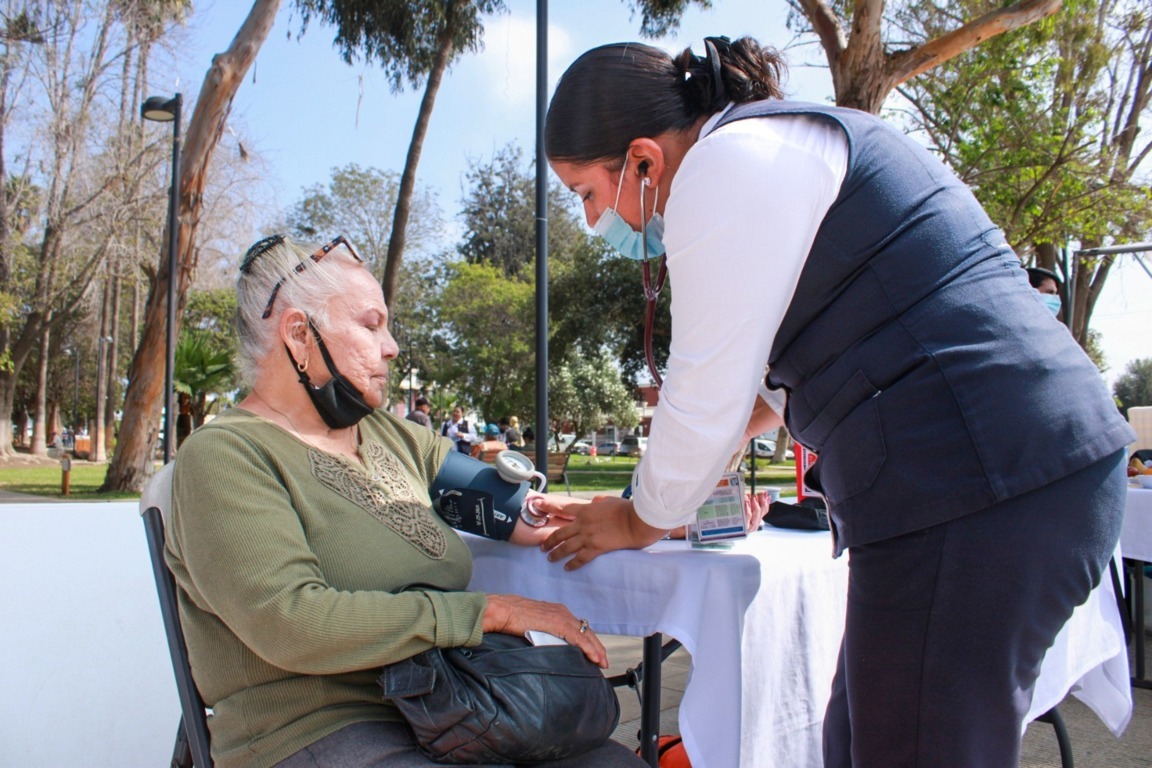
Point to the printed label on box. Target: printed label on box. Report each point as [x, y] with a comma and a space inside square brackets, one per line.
[722, 515]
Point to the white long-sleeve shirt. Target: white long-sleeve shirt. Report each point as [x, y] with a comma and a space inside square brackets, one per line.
[741, 217]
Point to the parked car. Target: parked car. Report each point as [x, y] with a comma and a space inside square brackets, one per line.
[581, 447]
[607, 448]
[633, 446]
[766, 449]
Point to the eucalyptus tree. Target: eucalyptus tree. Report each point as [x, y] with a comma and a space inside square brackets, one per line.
[132, 463]
[1044, 125]
[868, 54]
[415, 42]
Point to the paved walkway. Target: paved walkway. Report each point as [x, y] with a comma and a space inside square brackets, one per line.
[11, 497]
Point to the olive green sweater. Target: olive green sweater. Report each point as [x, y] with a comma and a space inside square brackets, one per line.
[296, 571]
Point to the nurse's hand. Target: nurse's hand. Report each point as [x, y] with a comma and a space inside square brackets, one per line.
[560, 511]
[606, 524]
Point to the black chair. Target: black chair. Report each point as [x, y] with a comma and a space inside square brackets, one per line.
[192, 739]
[1053, 718]
[644, 679]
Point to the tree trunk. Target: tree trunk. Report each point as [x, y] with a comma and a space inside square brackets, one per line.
[96, 452]
[863, 73]
[113, 356]
[1046, 256]
[132, 463]
[408, 178]
[39, 422]
[782, 441]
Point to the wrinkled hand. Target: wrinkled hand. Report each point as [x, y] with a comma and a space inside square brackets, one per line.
[606, 524]
[755, 507]
[515, 615]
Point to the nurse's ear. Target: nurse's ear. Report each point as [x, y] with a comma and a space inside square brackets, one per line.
[649, 159]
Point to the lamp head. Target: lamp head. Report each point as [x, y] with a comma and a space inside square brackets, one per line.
[159, 109]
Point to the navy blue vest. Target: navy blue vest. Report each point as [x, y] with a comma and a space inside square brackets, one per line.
[919, 363]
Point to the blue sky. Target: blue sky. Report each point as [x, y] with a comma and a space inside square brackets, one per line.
[306, 112]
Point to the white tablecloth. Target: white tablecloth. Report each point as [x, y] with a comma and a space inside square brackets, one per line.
[1136, 537]
[763, 624]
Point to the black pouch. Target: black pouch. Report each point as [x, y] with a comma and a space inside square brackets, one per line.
[504, 701]
[811, 514]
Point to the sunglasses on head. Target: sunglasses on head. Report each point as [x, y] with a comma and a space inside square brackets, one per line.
[263, 246]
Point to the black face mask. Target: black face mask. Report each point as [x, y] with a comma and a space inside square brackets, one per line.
[338, 402]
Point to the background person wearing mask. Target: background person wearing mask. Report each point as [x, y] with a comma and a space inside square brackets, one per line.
[1047, 284]
[970, 454]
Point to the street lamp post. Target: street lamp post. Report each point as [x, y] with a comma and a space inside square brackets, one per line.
[162, 110]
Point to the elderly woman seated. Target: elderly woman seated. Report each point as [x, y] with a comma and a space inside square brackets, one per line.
[303, 539]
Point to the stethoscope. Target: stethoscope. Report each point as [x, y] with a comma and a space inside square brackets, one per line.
[651, 292]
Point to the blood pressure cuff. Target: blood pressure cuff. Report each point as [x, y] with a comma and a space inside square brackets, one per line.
[470, 496]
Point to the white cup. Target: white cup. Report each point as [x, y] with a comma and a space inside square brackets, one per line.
[773, 492]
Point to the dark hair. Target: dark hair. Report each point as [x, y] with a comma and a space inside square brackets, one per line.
[420, 402]
[619, 92]
[1037, 275]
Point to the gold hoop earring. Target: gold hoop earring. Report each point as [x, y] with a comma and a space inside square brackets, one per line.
[302, 367]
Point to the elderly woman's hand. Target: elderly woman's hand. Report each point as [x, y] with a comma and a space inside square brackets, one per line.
[515, 615]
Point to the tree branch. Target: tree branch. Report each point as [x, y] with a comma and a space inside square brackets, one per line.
[907, 64]
[827, 28]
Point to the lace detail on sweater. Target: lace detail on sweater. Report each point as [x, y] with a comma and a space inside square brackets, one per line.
[388, 495]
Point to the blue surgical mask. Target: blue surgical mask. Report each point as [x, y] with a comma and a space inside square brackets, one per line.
[628, 242]
[1052, 301]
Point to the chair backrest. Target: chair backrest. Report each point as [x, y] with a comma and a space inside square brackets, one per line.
[489, 456]
[155, 505]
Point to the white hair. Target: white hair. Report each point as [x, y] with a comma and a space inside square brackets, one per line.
[310, 289]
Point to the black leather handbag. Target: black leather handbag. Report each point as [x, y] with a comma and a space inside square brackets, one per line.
[504, 701]
[811, 514]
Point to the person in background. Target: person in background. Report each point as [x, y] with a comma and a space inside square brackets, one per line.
[458, 431]
[491, 441]
[512, 435]
[830, 271]
[419, 413]
[1047, 284]
[303, 540]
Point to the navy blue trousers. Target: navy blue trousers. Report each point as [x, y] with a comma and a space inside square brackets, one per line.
[946, 627]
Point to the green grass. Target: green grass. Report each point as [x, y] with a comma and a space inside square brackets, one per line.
[609, 474]
[614, 473]
[84, 481]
